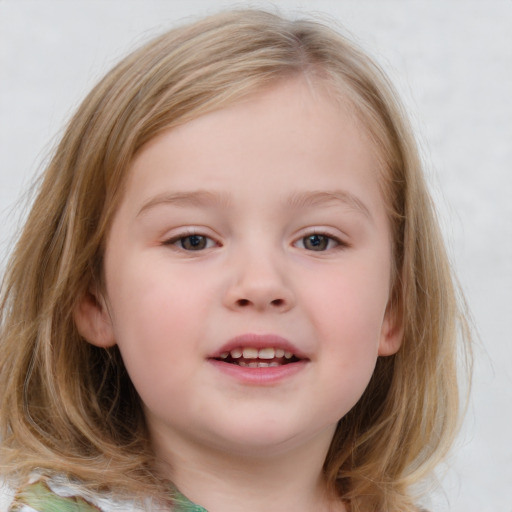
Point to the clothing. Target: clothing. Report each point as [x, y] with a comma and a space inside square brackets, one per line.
[57, 497]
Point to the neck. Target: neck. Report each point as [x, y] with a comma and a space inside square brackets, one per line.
[225, 482]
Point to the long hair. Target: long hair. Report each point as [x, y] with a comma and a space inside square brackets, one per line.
[69, 407]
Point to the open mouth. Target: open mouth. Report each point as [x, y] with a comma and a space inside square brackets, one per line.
[258, 358]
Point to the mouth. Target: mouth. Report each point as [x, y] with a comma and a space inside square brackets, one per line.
[260, 359]
[259, 351]
[252, 357]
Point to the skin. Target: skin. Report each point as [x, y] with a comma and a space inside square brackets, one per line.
[259, 183]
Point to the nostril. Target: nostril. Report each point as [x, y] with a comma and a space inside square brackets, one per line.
[247, 302]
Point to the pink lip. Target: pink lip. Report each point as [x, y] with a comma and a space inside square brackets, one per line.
[259, 341]
[259, 376]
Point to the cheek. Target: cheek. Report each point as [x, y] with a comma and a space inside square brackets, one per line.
[354, 299]
[350, 325]
[150, 295]
[348, 309]
[155, 322]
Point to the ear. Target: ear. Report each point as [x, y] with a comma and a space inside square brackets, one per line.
[93, 320]
[392, 331]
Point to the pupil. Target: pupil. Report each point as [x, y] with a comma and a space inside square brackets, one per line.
[316, 242]
[194, 242]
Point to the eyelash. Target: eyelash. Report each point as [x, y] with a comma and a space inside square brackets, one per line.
[195, 239]
[322, 240]
[199, 242]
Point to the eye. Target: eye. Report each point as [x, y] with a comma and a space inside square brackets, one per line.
[317, 242]
[192, 242]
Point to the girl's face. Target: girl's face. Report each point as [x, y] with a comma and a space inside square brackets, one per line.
[248, 275]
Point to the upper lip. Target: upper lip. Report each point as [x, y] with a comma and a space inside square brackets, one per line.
[258, 341]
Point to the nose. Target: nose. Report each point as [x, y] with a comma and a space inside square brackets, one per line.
[259, 282]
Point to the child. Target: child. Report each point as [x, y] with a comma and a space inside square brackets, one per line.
[230, 287]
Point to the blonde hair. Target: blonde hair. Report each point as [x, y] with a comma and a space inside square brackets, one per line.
[67, 406]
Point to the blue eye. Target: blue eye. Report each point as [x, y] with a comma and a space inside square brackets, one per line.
[192, 242]
[318, 242]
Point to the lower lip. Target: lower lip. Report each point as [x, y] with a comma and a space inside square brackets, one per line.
[259, 376]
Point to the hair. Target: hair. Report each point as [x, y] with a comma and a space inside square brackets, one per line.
[69, 407]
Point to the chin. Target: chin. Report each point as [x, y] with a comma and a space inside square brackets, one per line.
[261, 440]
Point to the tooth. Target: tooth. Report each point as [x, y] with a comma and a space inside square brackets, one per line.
[267, 353]
[253, 364]
[242, 363]
[224, 355]
[279, 352]
[250, 353]
[288, 355]
[274, 363]
[262, 364]
[236, 353]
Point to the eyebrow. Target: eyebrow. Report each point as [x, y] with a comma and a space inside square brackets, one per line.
[193, 198]
[309, 199]
[325, 198]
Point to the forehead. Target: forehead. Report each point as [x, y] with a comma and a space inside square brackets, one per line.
[287, 140]
[305, 88]
[292, 105]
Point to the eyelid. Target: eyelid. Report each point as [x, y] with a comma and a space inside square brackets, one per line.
[341, 242]
[172, 241]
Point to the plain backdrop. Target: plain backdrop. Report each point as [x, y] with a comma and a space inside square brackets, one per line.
[452, 62]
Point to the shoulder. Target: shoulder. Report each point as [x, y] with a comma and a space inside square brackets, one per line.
[62, 495]
[41, 497]
[6, 497]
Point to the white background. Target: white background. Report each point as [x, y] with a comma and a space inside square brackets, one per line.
[452, 62]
